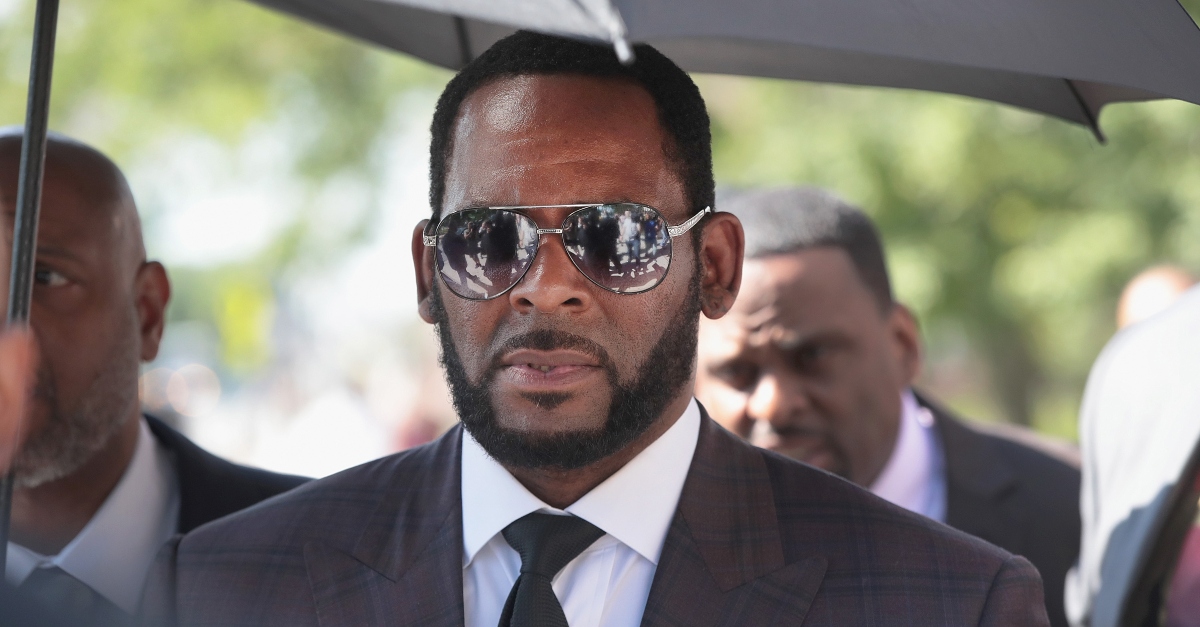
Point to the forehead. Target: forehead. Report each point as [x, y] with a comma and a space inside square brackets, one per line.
[545, 139]
[804, 292]
[77, 204]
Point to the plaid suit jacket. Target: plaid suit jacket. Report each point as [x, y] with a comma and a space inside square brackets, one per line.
[758, 539]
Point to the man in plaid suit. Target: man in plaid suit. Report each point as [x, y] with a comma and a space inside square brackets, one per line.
[585, 485]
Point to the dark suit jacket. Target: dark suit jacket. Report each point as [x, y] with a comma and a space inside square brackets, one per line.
[1016, 493]
[210, 487]
[758, 539]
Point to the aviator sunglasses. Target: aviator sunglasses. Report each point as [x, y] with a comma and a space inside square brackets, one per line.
[622, 247]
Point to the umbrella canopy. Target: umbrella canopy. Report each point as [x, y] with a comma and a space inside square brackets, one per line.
[1066, 58]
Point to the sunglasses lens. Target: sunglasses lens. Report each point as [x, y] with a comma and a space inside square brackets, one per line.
[481, 253]
[621, 247]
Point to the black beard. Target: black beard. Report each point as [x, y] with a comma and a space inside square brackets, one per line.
[633, 409]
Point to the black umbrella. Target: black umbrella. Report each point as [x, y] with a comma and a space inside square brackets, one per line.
[29, 201]
[1065, 58]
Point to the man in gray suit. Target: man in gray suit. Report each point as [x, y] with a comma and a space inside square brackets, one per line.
[1139, 424]
[816, 361]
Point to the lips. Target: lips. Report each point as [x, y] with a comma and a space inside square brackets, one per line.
[532, 370]
[548, 360]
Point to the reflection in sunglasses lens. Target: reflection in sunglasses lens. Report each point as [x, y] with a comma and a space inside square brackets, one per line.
[621, 247]
[483, 252]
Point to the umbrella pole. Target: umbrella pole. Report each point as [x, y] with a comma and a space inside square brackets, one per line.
[29, 197]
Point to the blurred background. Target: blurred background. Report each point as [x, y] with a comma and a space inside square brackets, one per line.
[280, 169]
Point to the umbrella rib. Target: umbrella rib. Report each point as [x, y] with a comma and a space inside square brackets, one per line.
[615, 26]
[1092, 122]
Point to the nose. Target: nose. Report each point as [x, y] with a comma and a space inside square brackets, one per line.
[552, 284]
[776, 401]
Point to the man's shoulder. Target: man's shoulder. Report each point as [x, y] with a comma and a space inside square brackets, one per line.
[253, 567]
[188, 453]
[764, 539]
[820, 513]
[1048, 460]
[212, 487]
[1051, 463]
[884, 564]
[334, 509]
[855, 528]
[1014, 488]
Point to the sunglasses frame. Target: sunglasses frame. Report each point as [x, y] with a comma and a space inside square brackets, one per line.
[430, 239]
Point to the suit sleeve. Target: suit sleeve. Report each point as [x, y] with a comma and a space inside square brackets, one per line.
[158, 595]
[1015, 598]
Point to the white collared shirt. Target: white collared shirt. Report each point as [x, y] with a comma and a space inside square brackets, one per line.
[114, 551]
[915, 475]
[608, 584]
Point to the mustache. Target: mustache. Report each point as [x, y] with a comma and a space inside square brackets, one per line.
[548, 340]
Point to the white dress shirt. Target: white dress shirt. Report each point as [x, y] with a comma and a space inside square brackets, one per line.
[915, 475]
[113, 552]
[609, 582]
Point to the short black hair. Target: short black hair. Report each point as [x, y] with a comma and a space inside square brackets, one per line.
[681, 110]
[791, 219]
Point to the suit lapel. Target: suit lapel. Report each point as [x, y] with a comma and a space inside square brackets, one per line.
[191, 469]
[406, 568]
[977, 479]
[723, 561]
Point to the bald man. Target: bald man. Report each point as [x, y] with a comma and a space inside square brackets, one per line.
[99, 486]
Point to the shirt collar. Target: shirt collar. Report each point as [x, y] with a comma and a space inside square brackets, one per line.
[635, 505]
[113, 552]
[910, 471]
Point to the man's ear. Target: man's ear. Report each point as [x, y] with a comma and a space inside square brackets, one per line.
[423, 266]
[906, 341]
[153, 291]
[721, 251]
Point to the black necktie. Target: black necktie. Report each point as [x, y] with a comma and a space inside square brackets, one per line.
[546, 543]
[62, 593]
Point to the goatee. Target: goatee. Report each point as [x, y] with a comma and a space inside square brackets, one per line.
[633, 408]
